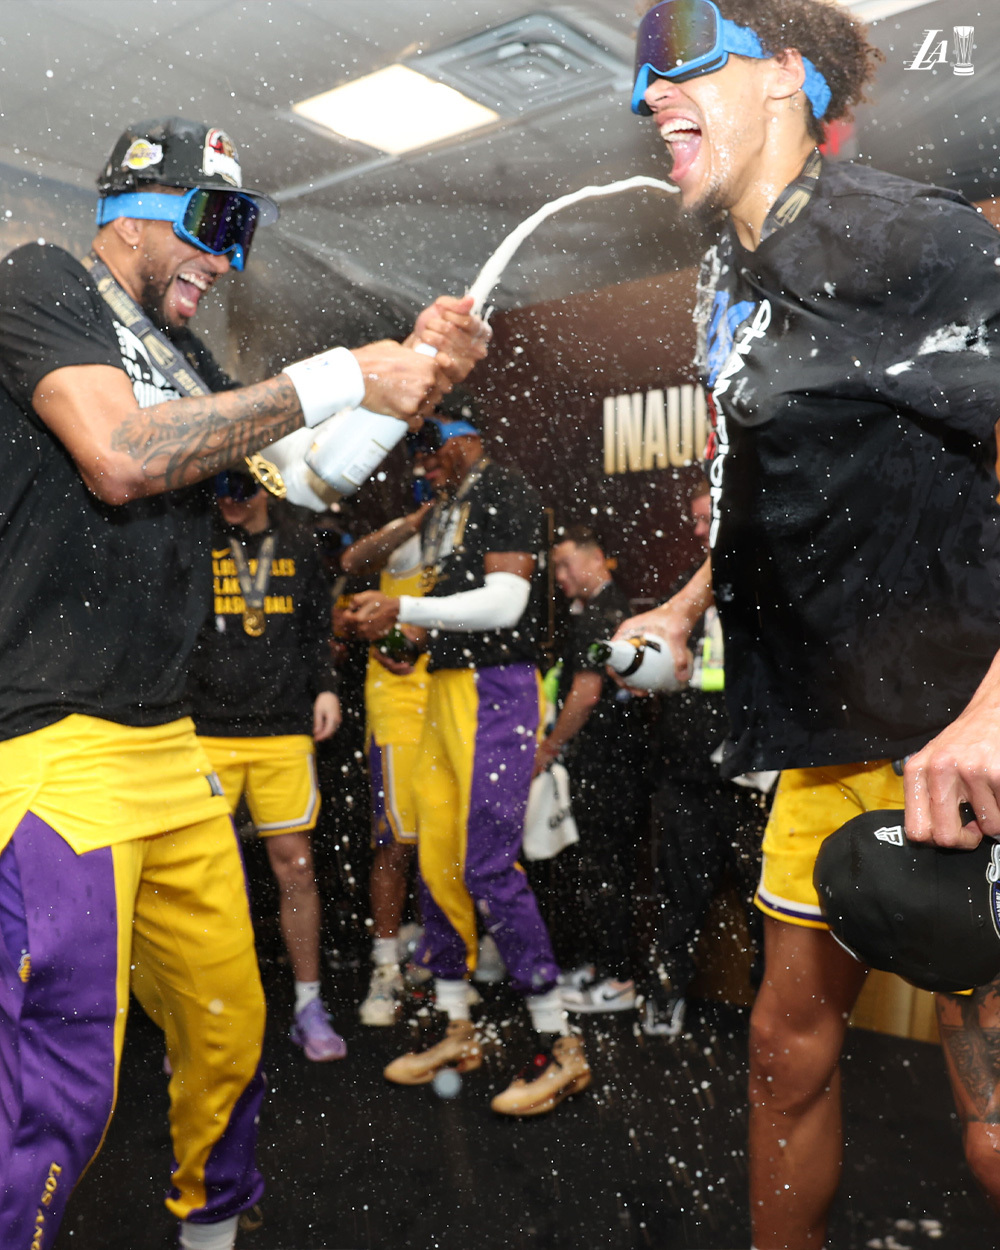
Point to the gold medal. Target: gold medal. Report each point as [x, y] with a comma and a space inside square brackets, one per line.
[254, 622]
[266, 473]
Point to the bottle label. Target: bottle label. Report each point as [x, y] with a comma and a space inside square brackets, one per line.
[365, 462]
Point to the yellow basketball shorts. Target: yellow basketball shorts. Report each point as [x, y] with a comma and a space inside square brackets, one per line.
[394, 807]
[809, 805]
[277, 775]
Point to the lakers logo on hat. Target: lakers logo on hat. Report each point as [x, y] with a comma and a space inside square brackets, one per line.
[142, 154]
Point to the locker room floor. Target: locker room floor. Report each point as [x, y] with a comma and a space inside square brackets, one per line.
[651, 1157]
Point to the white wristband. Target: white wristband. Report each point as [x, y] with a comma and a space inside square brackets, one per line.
[499, 604]
[327, 383]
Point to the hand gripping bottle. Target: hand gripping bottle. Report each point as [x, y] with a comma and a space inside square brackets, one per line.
[644, 662]
[349, 447]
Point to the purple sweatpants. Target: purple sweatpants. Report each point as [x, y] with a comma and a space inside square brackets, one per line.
[472, 780]
[66, 945]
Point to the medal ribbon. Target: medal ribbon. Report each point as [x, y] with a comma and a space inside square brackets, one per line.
[439, 522]
[254, 588]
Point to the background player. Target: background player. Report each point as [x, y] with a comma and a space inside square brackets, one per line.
[263, 690]
[482, 552]
[395, 703]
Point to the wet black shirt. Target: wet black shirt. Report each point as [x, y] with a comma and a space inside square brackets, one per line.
[101, 604]
[255, 687]
[502, 513]
[854, 365]
[615, 712]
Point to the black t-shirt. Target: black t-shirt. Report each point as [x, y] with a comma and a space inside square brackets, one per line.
[615, 712]
[253, 687]
[854, 366]
[501, 513]
[101, 604]
[692, 723]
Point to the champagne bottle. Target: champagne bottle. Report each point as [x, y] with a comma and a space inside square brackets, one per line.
[396, 646]
[645, 662]
[347, 449]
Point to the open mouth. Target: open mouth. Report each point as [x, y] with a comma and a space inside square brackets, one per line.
[683, 138]
[189, 288]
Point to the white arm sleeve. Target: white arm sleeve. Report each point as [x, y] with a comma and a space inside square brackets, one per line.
[499, 604]
[326, 384]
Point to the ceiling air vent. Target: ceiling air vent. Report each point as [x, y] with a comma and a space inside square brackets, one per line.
[534, 62]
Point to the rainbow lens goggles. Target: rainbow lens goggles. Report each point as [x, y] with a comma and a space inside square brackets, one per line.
[682, 39]
[215, 221]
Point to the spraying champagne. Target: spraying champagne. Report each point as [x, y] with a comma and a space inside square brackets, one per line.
[348, 449]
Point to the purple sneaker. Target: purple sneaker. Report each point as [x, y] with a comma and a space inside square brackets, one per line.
[313, 1031]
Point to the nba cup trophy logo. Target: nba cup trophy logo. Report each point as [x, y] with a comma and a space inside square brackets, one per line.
[963, 50]
[934, 51]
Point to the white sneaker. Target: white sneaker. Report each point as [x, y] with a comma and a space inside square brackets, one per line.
[606, 995]
[577, 978]
[382, 1004]
[664, 1017]
[490, 967]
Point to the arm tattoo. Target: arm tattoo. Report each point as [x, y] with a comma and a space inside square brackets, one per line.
[973, 1048]
[185, 440]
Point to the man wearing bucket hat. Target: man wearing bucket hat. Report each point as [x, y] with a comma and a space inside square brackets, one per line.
[117, 854]
[847, 324]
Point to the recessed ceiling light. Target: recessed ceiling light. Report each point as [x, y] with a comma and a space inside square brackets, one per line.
[875, 10]
[396, 110]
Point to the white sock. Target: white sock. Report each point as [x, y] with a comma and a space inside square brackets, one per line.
[452, 998]
[220, 1236]
[547, 1014]
[385, 951]
[305, 992]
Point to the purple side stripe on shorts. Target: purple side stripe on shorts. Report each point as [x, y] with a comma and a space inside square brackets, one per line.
[57, 1023]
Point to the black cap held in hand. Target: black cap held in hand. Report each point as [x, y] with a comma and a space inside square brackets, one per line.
[929, 914]
[175, 152]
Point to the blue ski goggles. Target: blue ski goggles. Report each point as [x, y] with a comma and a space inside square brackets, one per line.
[682, 39]
[215, 221]
[433, 435]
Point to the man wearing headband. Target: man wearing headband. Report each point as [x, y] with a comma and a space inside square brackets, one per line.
[482, 551]
[117, 853]
[848, 340]
[263, 691]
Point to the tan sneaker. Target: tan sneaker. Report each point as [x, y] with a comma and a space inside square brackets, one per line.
[381, 1006]
[547, 1080]
[458, 1049]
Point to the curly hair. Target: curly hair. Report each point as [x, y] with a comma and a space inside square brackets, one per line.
[831, 37]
